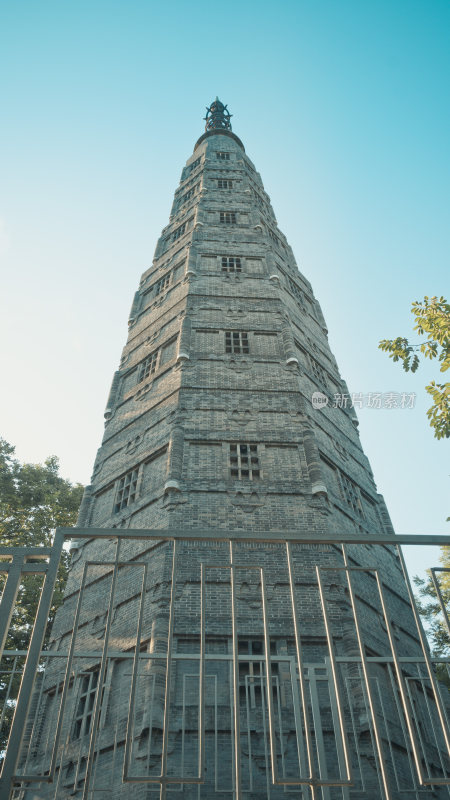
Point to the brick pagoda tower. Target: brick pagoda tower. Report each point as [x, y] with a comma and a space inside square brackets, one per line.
[210, 430]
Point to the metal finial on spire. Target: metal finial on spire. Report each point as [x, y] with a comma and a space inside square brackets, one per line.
[217, 116]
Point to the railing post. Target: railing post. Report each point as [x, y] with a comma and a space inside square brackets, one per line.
[14, 571]
[31, 665]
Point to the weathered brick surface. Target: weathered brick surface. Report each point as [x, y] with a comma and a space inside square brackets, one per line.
[175, 427]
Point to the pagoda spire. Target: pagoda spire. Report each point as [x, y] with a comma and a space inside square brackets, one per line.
[217, 116]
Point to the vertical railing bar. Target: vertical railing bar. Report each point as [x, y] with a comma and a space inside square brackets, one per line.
[280, 717]
[201, 721]
[70, 707]
[216, 736]
[387, 730]
[303, 691]
[8, 690]
[14, 571]
[232, 712]
[236, 709]
[33, 728]
[150, 722]
[134, 674]
[371, 728]
[305, 789]
[317, 722]
[409, 692]
[59, 684]
[365, 669]
[402, 725]
[166, 722]
[56, 791]
[433, 726]
[335, 719]
[249, 739]
[68, 670]
[297, 716]
[183, 728]
[77, 770]
[424, 645]
[266, 753]
[31, 664]
[95, 761]
[122, 695]
[334, 674]
[442, 687]
[402, 687]
[360, 680]
[102, 672]
[114, 755]
[273, 748]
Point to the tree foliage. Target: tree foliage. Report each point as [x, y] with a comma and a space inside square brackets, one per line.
[430, 608]
[34, 500]
[432, 320]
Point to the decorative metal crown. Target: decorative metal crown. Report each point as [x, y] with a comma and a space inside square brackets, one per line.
[217, 116]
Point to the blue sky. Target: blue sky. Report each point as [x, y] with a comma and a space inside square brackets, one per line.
[344, 109]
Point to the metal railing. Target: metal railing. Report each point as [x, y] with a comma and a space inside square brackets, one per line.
[417, 707]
